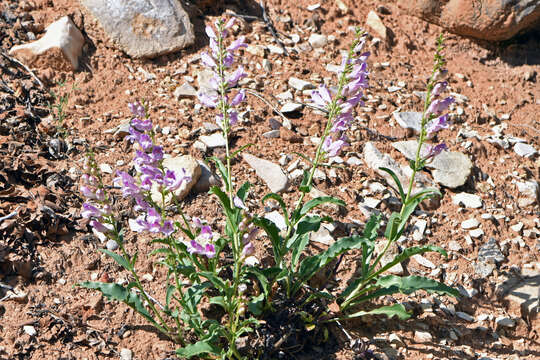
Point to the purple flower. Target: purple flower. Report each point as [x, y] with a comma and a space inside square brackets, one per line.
[333, 148]
[206, 232]
[342, 122]
[238, 98]
[173, 180]
[195, 248]
[433, 151]
[167, 228]
[437, 124]
[236, 76]
[210, 32]
[248, 250]
[229, 23]
[437, 106]
[228, 59]
[138, 224]
[141, 125]
[207, 60]
[137, 109]
[239, 203]
[207, 100]
[102, 228]
[127, 182]
[237, 44]
[100, 195]
[439, 88]
[197, 222]
[321, 96]
[250, 236]
[90, 210]
[146, 142]
[88, 192]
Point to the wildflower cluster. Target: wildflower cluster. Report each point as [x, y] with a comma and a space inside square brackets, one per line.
[219, 60]
[340, 102]
[150, 174]
[219, 268]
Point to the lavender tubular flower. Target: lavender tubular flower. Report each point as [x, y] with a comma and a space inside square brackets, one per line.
[137, 109]
[433, 151]
[439, 88]
[90, 210]
[437, 124]
[438, 106]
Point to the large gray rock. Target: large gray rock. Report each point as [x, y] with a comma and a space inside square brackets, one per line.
[493, 20]
[451, 168]
[144, 28]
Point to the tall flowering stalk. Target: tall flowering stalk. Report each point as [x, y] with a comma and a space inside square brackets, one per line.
[220, 60]
[433, 120]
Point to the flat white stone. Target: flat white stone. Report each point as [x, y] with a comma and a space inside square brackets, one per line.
[470, 224]
[270, 173]
[62, 39]
[468, 200]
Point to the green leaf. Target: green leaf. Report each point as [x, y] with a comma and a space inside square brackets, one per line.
[273, 233]
[409, 284]
[193, 296]
[309, 266]
[117, 292]
[407, 253]
[219, 300]
[256, 304]
[215, 280]
[319, 201]
[222, 169]
[390, 311]
[265, 276]
[392, 226]
[243, 191]
[396, 180]
[298, 247]
[307, 225]
[170, 291]
[199, 348]
[120, 260]
[242, 148]
[223, 198]
[304, 187]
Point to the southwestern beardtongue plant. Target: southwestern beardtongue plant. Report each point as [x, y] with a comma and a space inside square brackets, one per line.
[198, 268]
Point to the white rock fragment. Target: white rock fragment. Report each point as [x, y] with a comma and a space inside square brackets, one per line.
[277, 219]
[291, 107]
[422, 336]
[423, 261]
[30, 330]
[105, 168]
[524, 150]
[126, 354]
[59, 48]
[409, 120]
[476, 233]
[467, 200]
[270, 173]
[213, 141]
[300, 84]
[471, 223]
[318, 41]
[375, 23]
[505, 321]
[529, 192]
[464, 316]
